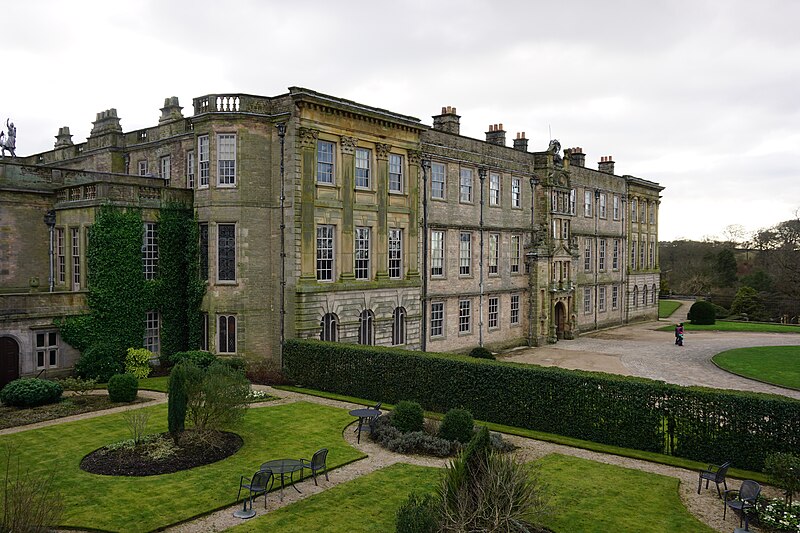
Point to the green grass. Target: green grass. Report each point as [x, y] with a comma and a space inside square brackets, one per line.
[365, 505]
[147, 503]
[667, 307]
[158, 384]
[723, 325]
[588, 496]
[779, 365]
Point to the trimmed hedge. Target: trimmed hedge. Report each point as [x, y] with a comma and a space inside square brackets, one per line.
[706, 425]
[30, 392]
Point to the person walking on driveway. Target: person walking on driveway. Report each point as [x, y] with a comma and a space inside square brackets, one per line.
[679, 334]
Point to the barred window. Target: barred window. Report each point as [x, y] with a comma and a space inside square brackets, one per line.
[362, 251]
[366, 327]
[642, 250]
[602, 206]
[226, 334]
[516, 253]
[494, 312]
[226, 252]
[395, 173]
[587, 255]
[204, 170]
[572, 201]
[633, 254]
[465, 254]
[204, 331]
[46, 349]
[226, 159]
[494, 189]
[437, 253]
[587, 203]
[395, 253]
[466, 185]
[165, 168]
[633, 210]
[516, 193]
[152, 324]
[363, 167]
[325, 253]
[514, 314]
[325, 159]
[398, 326]
[437, 180]
[203, 231]
[616, 207]
[329, 328]
[437, 319]
[464, 316]
[494, 253]
[143, 167]
[150, 251]
[614, 297]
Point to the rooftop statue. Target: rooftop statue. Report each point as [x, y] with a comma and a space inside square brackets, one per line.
[10, 142]
[555, 148]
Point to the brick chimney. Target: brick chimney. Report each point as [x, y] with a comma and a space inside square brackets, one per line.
[606, 164]
[496, 135]
[577, 157]
[448, 121]
[521, 143]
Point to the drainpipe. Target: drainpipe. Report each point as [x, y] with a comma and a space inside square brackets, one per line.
[597, 251]
[482, 175]
[282, 136]
[426, 164]
[530, 257]
[50, 220]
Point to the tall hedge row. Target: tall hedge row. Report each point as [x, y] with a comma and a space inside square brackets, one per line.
[701, 424]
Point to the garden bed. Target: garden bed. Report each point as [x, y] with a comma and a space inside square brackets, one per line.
[69, 406]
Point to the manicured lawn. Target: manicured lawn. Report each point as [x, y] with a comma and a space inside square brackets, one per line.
[667, 307]
[365, 505]
[779, 365]
[146, 503]
[158, 384]
[594, 497]
[723, 325]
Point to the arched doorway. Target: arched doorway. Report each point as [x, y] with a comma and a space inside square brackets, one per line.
[561, 319]
[9, 360]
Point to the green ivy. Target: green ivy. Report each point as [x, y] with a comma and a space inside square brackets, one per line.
[707, 425]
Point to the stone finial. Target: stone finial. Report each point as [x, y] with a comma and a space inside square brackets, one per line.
[63, 139]
[171, 110]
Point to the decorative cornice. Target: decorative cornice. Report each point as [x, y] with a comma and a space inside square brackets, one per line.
[308, 137]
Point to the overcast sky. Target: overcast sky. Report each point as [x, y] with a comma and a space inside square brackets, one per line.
[699, 96]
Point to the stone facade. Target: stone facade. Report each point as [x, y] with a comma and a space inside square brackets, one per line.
[326, 218]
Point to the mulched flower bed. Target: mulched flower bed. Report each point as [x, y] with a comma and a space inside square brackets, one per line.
[68, 406]
[193, 449]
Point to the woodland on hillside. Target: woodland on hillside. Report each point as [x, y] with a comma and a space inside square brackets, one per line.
[755, 276]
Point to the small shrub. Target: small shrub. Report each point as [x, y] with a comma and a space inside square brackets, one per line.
[408, 416]
[419, 442]
[481, 353]
[137, 419]
[383, 431]
[457, 425]
[702, 313]
[100, 362]
[783, 470]
[160, 448]
[30, 392]
[199, 357]
[235, 363]
[499, 444]
[417, 515]
[265, 372]
[122, 388]
[81, 387]
[137, 362]
[217, 398]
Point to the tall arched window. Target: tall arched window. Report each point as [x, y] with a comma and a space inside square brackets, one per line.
[366, 328]
[636, 296]
[329, 328]
[398, 326]
[644, 296]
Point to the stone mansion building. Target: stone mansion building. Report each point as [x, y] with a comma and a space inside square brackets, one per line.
[326, 218]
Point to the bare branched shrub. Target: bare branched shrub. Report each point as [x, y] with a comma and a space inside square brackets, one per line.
[217, 397]
[28, 503]
[137, 420]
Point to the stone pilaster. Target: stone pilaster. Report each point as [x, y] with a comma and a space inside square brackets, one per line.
[308, 242]
[381, 237]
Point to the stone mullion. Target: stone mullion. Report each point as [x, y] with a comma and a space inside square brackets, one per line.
[412, 242]
[381, 235]
[308, 243]
[348, 145]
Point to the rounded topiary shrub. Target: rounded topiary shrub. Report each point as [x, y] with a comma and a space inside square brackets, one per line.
[30, 392]
[123, 388]
[481, 353]
[100, 362]
[408, 416]
[702, 312]
[457, 425]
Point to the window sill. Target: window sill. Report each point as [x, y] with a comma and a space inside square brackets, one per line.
[227, 282]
